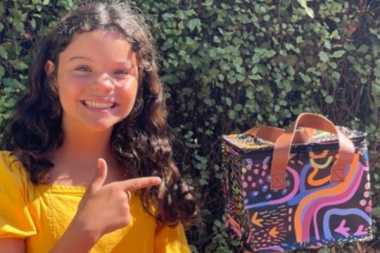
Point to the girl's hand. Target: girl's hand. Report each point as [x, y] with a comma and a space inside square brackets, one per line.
[105, 208]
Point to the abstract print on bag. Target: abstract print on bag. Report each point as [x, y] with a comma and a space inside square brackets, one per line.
[311, 211]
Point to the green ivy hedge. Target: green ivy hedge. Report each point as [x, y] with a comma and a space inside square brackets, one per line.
[229, 65]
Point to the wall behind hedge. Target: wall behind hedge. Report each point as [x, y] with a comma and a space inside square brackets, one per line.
[229, 65]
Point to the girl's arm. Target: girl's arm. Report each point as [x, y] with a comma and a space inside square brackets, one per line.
[12, 245]
[92, 220]
[75, 240]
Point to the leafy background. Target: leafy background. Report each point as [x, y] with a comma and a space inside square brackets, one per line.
[229, 65]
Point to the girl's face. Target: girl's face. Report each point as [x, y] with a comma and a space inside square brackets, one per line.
[97, 80]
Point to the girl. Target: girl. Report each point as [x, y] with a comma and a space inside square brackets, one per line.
[89, 166]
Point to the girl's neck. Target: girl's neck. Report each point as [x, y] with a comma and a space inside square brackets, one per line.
[75, 162]
[84, 146]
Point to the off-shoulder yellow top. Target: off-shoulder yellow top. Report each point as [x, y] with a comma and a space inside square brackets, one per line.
[41, 213]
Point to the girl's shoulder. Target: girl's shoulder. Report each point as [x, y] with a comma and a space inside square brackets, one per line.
[9, 162]
[14, 189]
[13, 175]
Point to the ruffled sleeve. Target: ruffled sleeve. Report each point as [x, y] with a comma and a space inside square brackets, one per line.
[171, 240]
[15, 218]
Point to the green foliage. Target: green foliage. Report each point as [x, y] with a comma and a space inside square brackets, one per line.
[20, 23]
[231, 65]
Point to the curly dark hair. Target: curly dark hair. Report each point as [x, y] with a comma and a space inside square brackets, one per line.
[140, 142]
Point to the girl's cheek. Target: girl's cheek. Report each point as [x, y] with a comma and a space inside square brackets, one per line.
[135, 72]
[125, 82]
[82, 79]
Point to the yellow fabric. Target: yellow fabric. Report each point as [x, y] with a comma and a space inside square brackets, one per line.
[41, 213]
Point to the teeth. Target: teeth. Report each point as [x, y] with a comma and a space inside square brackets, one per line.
[98, 105]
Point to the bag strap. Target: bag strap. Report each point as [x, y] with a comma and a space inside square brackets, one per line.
[273, 133]
[283, 143]
[266, 133]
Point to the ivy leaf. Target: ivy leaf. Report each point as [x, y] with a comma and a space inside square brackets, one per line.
[231, 114]
[323, 56]
[2, 71]
[207, 3]
[376, 212]
[329, 99]
[305, 78]
[19, 65]
[338, 54]
[3, 52]
[194, 23]
[307, 9]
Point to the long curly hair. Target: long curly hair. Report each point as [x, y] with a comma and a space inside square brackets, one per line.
[140, 142]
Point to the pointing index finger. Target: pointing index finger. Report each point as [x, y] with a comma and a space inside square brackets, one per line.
[139, 183]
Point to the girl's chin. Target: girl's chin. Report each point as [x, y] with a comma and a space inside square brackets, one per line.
[100, 126]
[87, 124]
[95, 126]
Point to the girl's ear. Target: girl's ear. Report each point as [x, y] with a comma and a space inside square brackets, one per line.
[49, 68]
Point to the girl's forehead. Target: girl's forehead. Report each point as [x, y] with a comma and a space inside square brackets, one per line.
[99, 44]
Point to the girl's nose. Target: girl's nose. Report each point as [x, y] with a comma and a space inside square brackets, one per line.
[104, 83]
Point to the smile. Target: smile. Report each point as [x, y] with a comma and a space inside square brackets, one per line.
[98, 105]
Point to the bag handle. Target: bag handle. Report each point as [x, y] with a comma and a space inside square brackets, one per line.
[282, 146]
[273, 133]
[266, 133]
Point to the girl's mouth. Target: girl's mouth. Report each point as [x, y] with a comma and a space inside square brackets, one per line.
[98, 105]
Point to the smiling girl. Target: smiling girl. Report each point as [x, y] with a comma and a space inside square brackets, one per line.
[89, 164]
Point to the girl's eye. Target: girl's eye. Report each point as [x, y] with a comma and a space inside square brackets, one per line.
[82, 69]
[121, 72]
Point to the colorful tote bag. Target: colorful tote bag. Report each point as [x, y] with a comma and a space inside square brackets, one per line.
[297, 189]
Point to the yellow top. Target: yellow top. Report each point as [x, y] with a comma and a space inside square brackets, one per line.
[41, 213]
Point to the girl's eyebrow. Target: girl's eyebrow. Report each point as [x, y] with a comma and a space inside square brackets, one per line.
[79, 58]
[128, 64]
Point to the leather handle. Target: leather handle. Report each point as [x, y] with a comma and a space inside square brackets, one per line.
[273, 133]
[282, 146]
[266, 133]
